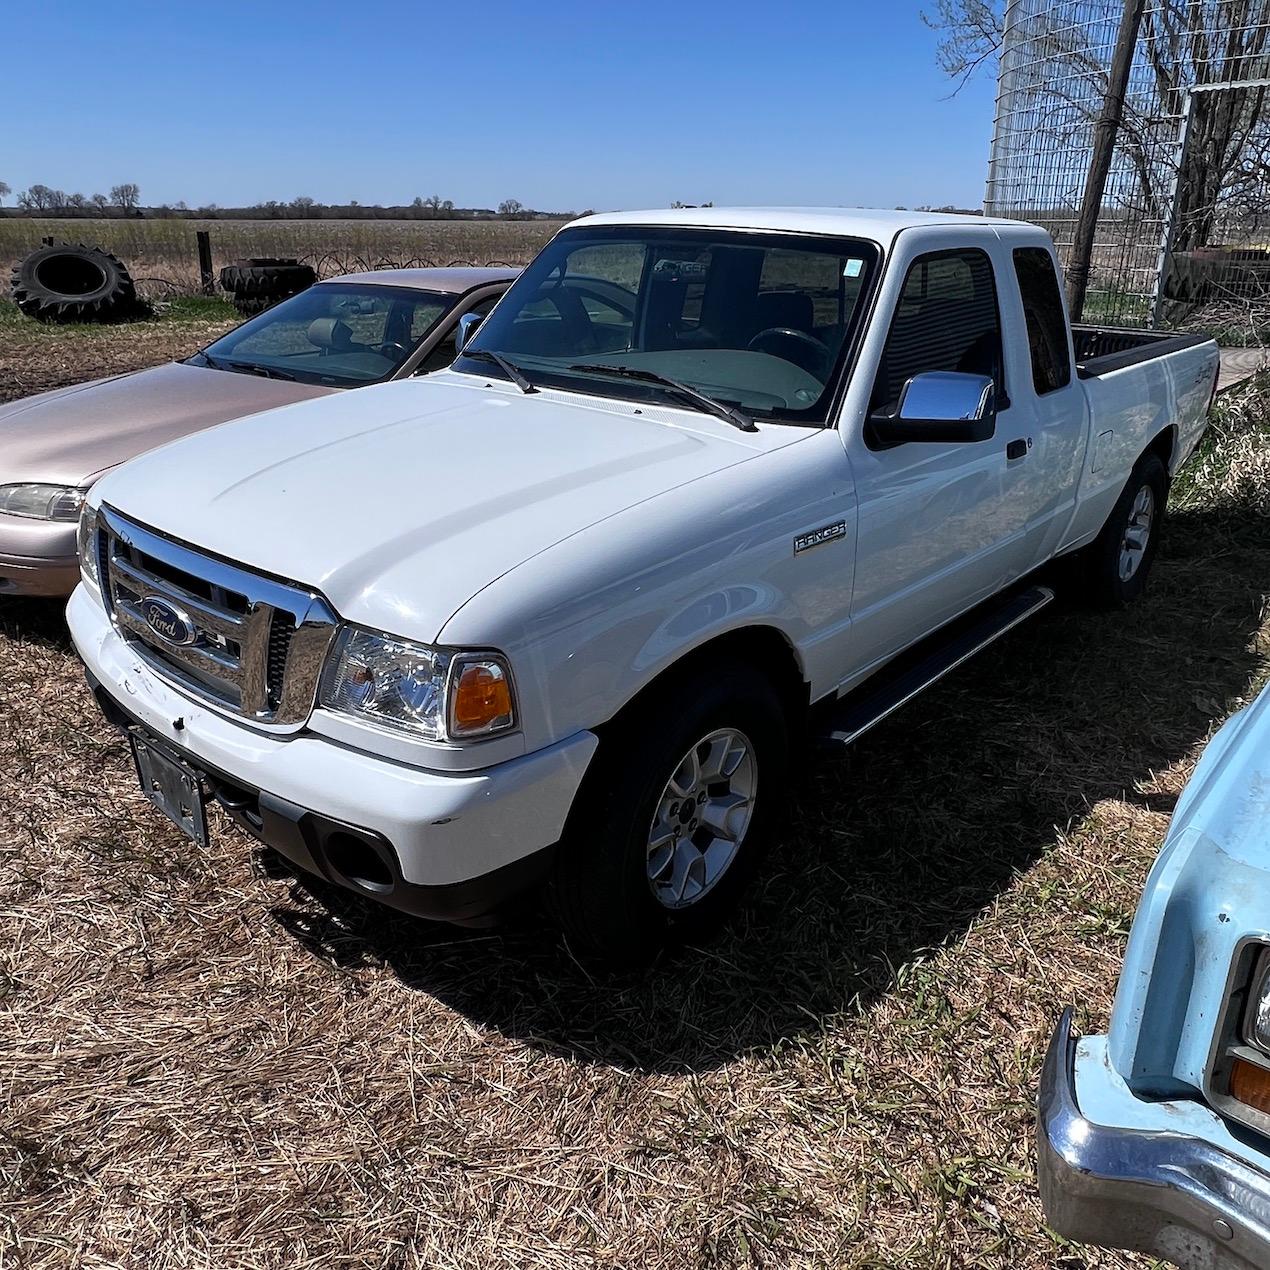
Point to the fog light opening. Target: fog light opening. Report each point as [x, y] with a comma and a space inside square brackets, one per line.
[358, 863]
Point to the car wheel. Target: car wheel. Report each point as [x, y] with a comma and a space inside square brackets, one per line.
[1113, 569]
[674, 815]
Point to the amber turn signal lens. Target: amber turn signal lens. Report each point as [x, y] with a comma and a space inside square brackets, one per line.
[1250, 1084]
[482, 699]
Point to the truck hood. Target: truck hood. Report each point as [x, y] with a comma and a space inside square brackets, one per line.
[399, 502]
[69, 435]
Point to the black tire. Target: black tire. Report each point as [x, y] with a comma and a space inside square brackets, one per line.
[250, 305]
[1098, 567]
[66, 283]
[600, 886]
[267, 276]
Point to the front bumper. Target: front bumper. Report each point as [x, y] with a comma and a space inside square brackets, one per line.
[1158, 1190]
[451, 845]
[37, 557]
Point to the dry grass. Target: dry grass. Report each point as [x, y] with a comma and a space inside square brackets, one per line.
[162, 254]
[35, 357]
[208, 1061]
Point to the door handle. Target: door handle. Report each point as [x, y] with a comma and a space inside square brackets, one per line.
[1018, 448]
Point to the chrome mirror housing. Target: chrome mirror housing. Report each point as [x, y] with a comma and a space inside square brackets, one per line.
[940, 405]
[465, 330]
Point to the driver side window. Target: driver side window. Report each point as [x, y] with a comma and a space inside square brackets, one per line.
[946, 319]
[443, 351]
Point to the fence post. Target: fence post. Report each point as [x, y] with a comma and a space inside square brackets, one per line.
[1105, 131]
[207, 278]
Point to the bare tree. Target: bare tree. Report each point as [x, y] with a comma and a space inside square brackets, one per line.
[126, 196]
[39, 198]
[303, 205]
[5, 191]
[1183, 45]
[1212, 42]
[969, 35]
[510, 208]
[100, 202]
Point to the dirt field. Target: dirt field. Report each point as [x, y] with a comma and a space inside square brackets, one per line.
[206, 1061]
[162, 254]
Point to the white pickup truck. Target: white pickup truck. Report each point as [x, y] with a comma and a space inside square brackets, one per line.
[702, 478]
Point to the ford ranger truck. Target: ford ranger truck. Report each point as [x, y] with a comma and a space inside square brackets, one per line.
[554, 614]
[1156, 1135]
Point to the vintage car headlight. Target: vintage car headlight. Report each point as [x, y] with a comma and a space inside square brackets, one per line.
[86, 542]
[42, 502]
[1257, 1020]
[439, 693]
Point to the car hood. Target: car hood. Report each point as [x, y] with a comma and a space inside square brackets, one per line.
[401, 501]
[71, 434]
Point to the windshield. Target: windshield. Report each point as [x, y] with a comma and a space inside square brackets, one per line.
[337, 333]
[759, 322]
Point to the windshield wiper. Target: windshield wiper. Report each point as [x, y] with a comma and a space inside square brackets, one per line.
[510, 369]
[720, 410]
[245, 368]
[268, 372]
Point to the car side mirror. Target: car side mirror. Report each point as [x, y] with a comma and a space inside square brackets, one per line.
[466, 329]
[940, 405]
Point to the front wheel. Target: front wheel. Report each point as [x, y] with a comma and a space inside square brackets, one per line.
[1112, 571]
[674, 814]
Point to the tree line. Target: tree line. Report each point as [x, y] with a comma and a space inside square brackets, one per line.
[125, 200]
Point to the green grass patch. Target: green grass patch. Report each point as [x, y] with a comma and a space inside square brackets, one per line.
[196, 310]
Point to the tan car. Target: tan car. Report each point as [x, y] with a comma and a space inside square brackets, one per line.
[362, 328]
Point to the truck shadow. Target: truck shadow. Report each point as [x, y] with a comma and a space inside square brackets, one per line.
[40, 622]
[886, 853]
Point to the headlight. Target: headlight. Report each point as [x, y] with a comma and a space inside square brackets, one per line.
[41, 502]
[438, 693]
[1257, 1022]
[86, 541]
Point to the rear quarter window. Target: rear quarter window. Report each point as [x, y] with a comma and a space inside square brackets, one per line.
[1046, 319]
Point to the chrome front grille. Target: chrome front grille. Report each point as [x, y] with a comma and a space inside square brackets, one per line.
[249, 644]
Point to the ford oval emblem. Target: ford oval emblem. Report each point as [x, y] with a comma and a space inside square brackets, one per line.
[168, 622]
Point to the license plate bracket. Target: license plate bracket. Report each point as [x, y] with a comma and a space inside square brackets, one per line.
[171, 784]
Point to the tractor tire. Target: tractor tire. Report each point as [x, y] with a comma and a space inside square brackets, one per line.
[67, 283]
[250, 305]
[263, 276]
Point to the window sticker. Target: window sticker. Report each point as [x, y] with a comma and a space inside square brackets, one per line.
[852, 268]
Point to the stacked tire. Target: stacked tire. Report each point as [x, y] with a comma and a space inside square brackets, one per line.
[260, 282]
[65, 282]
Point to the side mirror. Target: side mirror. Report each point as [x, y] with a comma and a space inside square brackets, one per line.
[466, 329]
[940, 405]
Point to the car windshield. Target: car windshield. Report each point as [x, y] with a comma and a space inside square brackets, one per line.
[757, 322]
[337, 333]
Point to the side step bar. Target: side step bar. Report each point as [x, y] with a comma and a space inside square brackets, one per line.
[927, 663]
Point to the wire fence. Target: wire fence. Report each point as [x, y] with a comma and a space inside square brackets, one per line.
[1185, 212]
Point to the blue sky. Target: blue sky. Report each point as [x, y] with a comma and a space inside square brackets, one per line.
[561, 105]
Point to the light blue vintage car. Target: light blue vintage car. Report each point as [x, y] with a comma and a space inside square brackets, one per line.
[1156, 1137]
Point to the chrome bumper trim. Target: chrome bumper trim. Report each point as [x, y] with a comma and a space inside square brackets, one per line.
[1169, 1194]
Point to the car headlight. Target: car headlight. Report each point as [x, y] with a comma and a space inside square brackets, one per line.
[86, 542]
[1257, 1020]
[42, 502]
[439, 693]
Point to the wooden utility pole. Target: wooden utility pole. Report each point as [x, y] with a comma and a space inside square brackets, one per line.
[1105, 132]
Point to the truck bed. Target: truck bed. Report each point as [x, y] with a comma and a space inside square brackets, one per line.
[1102, 349]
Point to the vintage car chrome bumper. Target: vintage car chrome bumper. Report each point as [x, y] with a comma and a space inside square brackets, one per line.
[1161, 1192]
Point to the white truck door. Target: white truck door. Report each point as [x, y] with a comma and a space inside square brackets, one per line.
[939, 527]
[1047, 429]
